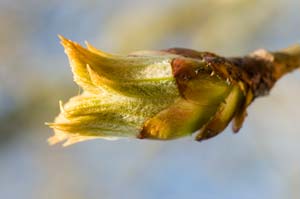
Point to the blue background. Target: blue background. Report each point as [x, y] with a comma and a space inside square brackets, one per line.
[262, 161]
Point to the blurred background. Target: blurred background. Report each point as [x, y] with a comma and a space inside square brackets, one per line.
[262, 161]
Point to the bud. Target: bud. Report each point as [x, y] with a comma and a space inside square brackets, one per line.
[158, 95]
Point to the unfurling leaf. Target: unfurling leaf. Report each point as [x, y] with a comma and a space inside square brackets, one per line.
[158, 95]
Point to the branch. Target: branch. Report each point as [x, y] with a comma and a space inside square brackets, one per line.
[263, 68]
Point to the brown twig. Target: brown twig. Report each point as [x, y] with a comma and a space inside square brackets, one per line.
[261, 69]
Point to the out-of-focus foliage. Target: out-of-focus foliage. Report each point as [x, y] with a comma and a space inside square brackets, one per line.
[262, 162]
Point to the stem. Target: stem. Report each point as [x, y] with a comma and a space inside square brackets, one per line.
[286, 60]
[261, 69]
